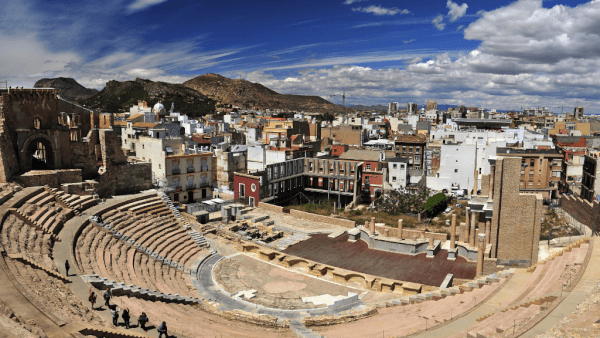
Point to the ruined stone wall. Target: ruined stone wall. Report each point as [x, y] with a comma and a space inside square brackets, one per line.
[52, 178]
[270, 207]
[323, 219]
[111, 148]
[71, 108]
[585, 212]
[106, 120]
[411, 234]
[516, 219]
[122, 179]
[9, 164]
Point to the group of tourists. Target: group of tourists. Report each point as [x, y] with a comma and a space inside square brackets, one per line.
[114, 311]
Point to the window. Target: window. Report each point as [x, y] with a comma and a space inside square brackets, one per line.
[369, 166]
[242, 190]
[37, 123]
[530, 183]
[393, 178]
[394, 166]
[479, 171]
[455, 170]
[532, 163]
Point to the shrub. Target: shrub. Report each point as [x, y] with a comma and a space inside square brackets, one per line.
[436, 204]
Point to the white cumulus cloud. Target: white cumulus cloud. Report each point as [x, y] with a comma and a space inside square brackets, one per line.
[350, 2]
[140, 5]
[378, 10]
[456, 11]
[438, 22]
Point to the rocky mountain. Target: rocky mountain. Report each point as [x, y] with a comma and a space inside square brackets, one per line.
[68, 88]
[119, 96]
[251, 95]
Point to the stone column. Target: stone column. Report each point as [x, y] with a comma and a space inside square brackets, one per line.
[431, 242]
[480, 251]
[467, 225]
[372, 226]
[488, 228]
[400, 229]
[491, 192]
[453, 232]
[472, 237]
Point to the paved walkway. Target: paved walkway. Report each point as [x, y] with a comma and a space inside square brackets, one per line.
[493, 304]
[569, 304]
[61, 253]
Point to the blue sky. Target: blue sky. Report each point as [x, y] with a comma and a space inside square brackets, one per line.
[493, 54]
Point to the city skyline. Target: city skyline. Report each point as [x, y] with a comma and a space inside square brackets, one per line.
[496, 55]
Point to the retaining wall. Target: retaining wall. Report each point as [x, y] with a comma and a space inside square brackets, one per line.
[270, 207]
[323, 219]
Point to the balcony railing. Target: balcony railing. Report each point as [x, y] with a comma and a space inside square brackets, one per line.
[204, 184]
[190, 187]
[204, 168]
[176, 171]
[191, 170]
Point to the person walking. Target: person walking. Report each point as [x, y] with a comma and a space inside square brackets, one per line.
[92, 299]
[162, 329]
[125, 317]
[107, 296]
[67, 266]
[142, 320]
[115, 315]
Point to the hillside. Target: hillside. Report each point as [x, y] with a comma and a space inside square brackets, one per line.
[120, 96]
[251, 95]
[68, 88]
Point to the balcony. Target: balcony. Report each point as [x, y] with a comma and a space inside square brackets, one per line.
[176, 171]
[191, 170]
[204, 184]
[190, 187]
[204, 168]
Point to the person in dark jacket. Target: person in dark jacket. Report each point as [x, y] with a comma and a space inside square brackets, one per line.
[107, 296]
[162, 329]
[92, 299]
[143, 319]
[67, 267]
[125, 316]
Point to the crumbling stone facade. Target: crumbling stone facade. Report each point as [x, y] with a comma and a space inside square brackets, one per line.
[516, 220]
[41, 133]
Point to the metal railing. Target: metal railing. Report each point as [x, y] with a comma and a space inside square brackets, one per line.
[204, 184]
[191, 170]
[176, 171]
[190, 187]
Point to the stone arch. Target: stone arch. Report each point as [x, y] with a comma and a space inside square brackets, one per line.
[28, 160]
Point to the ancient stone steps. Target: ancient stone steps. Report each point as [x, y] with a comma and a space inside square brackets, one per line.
[87, 329]
[28, 220]
[35, 264]
[568, 248]
[120, 289]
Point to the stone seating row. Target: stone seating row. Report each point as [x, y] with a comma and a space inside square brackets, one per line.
[542, 287]
[113, 259]
[73, 201]
[119, 289]
[149, 242]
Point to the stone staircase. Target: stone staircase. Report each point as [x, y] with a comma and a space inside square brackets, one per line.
[132, 242]
[302, 331]
[198, 237]
[568, 248]
[30, 221]
[78, 329]
[548, 298]
[172, 207]
[446, 292]
[75, 202]
[28, 260]
[120, 289]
